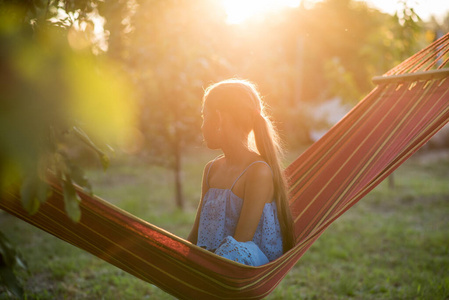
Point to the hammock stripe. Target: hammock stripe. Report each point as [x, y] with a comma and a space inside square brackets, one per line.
[364, 166]
[369, 157]
[358, 153]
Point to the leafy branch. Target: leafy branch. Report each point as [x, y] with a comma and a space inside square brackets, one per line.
[35, 190]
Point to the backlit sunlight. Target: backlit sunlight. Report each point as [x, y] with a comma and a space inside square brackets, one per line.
[240, 10]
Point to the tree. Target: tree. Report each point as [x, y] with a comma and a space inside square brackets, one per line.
[167, 55]
[52, 87]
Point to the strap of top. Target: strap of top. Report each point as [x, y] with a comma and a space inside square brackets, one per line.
[258, 161]
[210, 167]
[241, 174]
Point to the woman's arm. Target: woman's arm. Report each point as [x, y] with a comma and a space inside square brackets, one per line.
[193, 236]
[259, 189]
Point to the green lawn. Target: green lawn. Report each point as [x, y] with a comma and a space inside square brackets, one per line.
[394, 244]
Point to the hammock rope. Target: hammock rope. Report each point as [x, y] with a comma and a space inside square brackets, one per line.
[410, 104]
[432, 55]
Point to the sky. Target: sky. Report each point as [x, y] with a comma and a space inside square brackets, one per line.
[240, 10]
[424, 8]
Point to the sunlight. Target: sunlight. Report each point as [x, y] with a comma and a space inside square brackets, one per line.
[241, 10]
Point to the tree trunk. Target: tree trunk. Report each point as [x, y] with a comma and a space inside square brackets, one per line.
[178, 185]
[177, 172]
[391, 182]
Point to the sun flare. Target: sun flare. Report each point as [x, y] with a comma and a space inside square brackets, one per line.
[240, 10]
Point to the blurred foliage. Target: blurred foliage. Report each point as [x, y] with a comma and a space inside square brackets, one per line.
[52, 89]
[9, 260]
[169, 58]
[64, 65]
[49, 92]
[172, 49]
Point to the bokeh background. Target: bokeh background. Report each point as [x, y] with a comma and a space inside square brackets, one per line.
[90, 84]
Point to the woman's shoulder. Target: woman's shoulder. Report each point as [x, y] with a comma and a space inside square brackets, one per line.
[217, 160]
[260, 171]
[259, 183]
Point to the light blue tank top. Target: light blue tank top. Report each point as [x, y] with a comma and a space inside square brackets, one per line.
[219, 217]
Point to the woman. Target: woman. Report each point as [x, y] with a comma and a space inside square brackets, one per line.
[243, 214]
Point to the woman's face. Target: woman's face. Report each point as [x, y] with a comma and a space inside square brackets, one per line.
[211, 128]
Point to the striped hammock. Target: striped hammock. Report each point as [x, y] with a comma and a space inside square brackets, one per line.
[409, 105]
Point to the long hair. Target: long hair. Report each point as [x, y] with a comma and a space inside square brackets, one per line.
[241, 100]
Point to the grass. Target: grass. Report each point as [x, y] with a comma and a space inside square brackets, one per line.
[394, 244]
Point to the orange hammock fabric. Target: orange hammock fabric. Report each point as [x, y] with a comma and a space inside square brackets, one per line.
[410, 105]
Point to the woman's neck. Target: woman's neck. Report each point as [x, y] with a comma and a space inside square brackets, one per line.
[235, 145]
[238, 154]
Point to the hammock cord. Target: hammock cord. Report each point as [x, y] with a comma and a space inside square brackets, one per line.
[434, 54]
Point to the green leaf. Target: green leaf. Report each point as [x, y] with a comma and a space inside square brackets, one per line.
[11, 282]
[79, 177]
[104, 161]
[28, 192]
[34, 192]
[71, 200]
[21, 263]
[85, 138]
[43, 191]
[7, 252]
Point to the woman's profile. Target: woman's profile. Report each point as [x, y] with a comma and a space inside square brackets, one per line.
[243, 214]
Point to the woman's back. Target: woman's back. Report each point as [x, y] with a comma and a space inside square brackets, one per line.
[220, 215]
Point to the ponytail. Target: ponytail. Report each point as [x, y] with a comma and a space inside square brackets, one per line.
[241, 99]
[267, 143]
